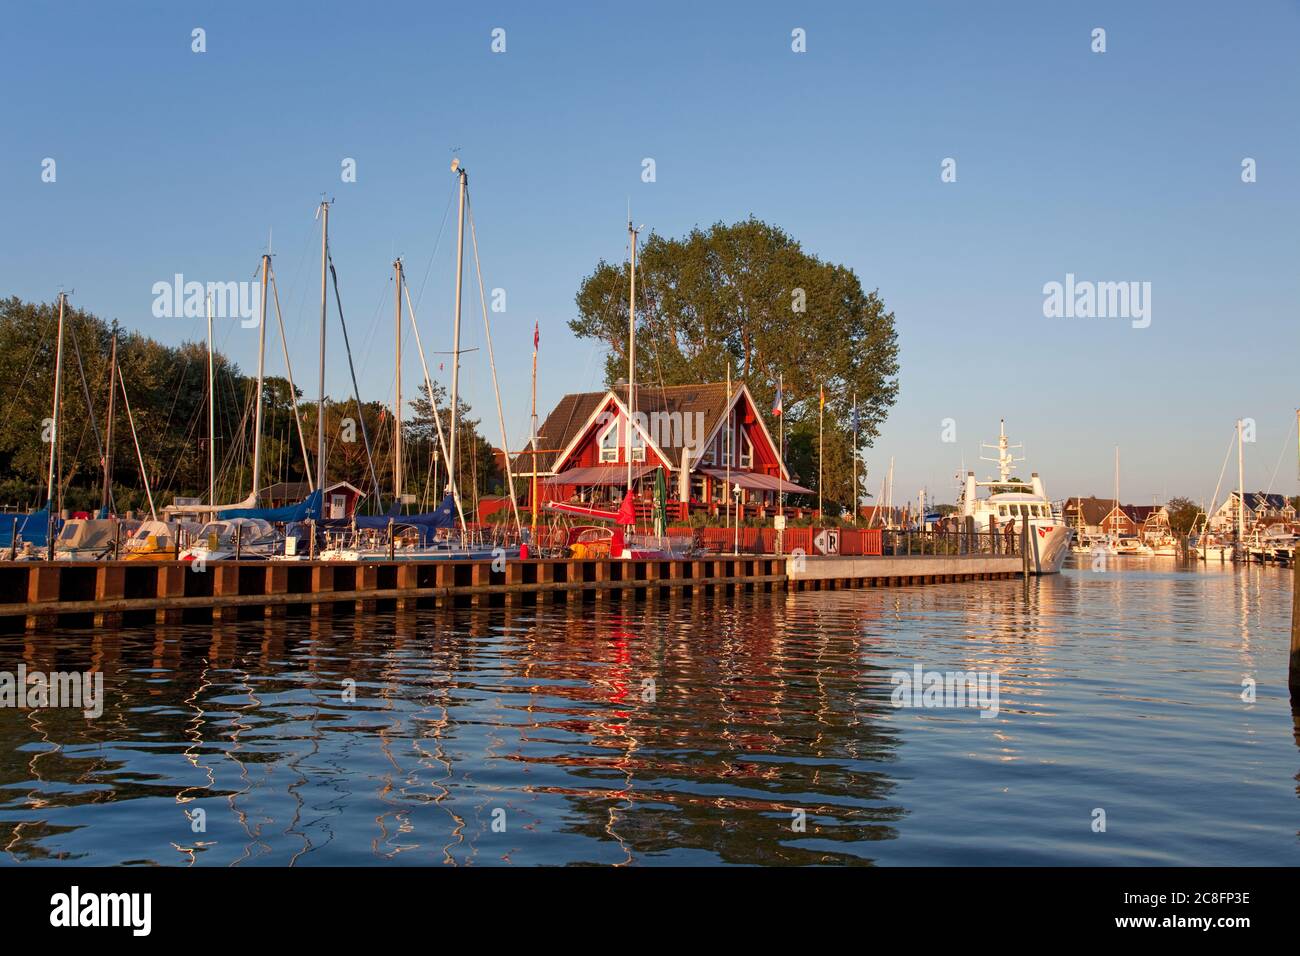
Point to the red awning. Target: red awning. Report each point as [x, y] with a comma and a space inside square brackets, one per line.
[755, 482]
[598, 475]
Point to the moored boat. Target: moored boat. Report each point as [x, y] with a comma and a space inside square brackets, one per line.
[1013, 501]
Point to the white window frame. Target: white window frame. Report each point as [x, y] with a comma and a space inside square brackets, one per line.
[600, 442]
[638, 443]
[746, 451]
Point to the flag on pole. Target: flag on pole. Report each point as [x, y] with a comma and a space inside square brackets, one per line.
[821, 394]
[537, 334]
[776, 403]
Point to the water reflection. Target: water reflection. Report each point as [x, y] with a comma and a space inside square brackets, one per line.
[696, 731]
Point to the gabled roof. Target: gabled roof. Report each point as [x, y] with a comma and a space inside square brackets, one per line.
[298, 490]
[574, 412]
[1265, 499]
[1094, 509]
[1255, 501]
[1097, 510]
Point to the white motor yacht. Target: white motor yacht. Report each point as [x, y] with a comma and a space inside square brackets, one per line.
[1010, 500]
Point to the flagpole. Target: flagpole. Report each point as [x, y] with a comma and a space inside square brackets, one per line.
[726, 494]
[780, 472]
[855, 459]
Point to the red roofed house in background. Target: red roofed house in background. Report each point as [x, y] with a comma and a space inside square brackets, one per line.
[701, 439]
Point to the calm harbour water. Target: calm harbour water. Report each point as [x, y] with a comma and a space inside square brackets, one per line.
[1119, 690]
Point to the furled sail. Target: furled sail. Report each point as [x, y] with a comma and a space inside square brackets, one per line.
[442, 517]
[309, 507]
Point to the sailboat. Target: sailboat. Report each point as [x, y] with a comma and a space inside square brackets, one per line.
[36, 530]
[105, 535]
[1206, 545]
[1118, 544]
[242, 528]
[1158, 535]
[431, 535]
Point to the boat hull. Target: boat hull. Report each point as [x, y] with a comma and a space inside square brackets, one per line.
[1214, 552]
[1051, 543]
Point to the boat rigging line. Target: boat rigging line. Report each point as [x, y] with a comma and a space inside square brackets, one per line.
[356, 392]
[487, 331]
[433, 407]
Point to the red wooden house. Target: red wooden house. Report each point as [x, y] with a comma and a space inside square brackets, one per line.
[1121, 522]
[706, 444]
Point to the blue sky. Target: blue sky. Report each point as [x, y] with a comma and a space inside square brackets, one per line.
[1119, 166]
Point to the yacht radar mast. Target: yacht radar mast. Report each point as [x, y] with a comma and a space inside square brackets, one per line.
[1006, 461]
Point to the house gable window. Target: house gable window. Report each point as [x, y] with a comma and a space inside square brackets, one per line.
[638, 445]
[746, 449]
[609, 443]
[610, 440]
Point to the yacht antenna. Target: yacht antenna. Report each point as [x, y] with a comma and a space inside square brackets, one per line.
[1006, 461]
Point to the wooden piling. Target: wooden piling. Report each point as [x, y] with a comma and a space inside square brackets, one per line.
[170, 585]
[225, 583]
[322, 580]
[1024, 554]
[367, 580]
[277, 582]
[42, 588]
[110, 584]
[408, 579]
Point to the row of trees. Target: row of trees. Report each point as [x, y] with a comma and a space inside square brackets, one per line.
[168, 391]
[747, 299]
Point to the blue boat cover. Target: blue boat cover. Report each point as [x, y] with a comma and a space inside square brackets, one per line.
[426, 522]
[34, 528]
[309, 507]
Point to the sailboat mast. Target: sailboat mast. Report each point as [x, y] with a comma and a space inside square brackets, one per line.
[1115, 521]
[532, 497]
[320, 407]
[726, 497]
[108, 426]
[1241, 488]
[54, 433]
[889, 499]
[455, 338]
[397, 395]
[212, 419]
[780, 472]
[631, 352]
[260, 397]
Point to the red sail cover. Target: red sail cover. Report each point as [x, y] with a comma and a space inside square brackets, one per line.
[627, 511]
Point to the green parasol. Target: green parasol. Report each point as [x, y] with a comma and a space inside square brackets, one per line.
[661, 502]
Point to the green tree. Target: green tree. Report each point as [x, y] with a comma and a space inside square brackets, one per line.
[747, 298]
[1182, 515]
[478, 471]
